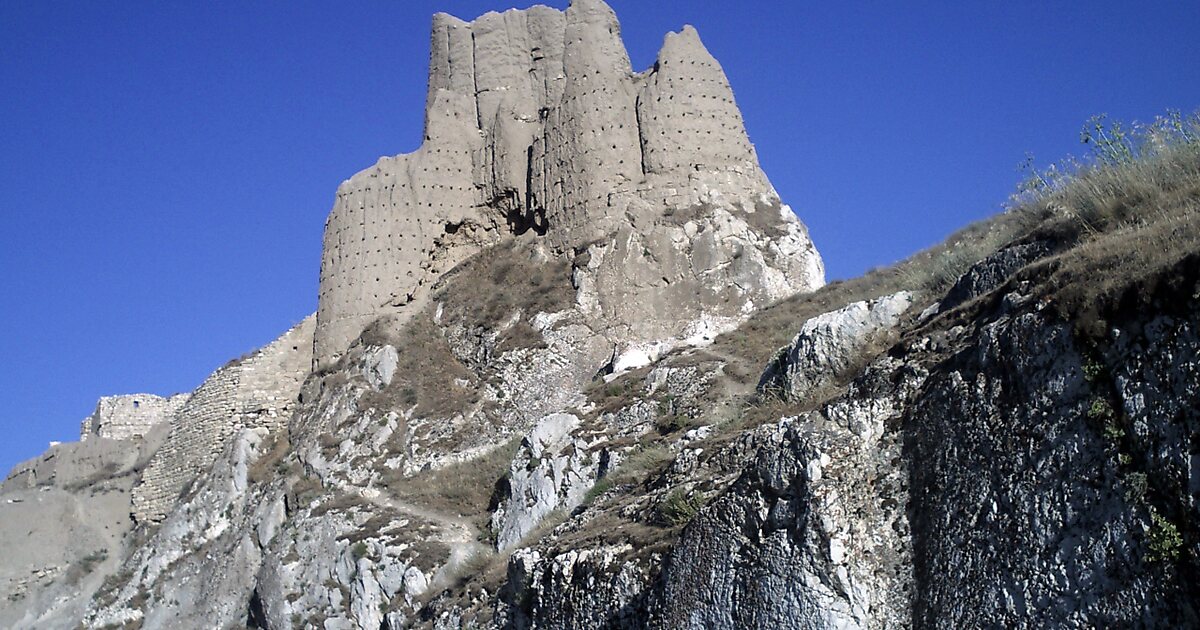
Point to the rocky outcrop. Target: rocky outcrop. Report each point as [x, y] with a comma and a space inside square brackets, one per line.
[808, 537]
[552, 470]
[204, 553]
[988, 274]
[833, 346]
[1006, 471]
[1030, 432]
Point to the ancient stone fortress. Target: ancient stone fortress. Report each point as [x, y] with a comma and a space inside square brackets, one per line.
[535, 122]
[644, 185]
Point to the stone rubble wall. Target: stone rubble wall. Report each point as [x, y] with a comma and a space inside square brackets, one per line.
[130, 416]
[258, 391]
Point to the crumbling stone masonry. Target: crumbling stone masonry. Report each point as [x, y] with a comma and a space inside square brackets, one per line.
[257, 391]
[130, 416]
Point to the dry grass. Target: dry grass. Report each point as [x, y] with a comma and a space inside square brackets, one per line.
[272, 459]
[622, 519]
[482, 293]
[1130, 258]
[619, 393]
[678, 507]
[1131, 207]
[648, 460]
[488, 288]
[343, 502]
[304, 489]
[1119, 223]
[467, 488]
[928, 274]
[431, 377]
[1128, 218]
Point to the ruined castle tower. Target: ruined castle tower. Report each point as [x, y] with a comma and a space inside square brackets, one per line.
[535, 122]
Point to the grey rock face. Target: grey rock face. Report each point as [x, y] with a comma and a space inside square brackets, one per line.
[379, 366]
[795, 543]
[1005, 474]
[1155, 378]
[203, 553]
[988, 274]
[830, 346]
[546, 472]
[1006, 437]
[587, 588]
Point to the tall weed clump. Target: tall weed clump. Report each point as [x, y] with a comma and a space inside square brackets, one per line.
[1126, 168]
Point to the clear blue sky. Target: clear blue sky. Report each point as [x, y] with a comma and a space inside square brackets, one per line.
[167, 167]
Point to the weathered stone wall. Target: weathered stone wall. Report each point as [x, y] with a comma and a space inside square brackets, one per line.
[536, 121]
[129, 416]
[590, 148]
[258, 391]
[390, 231]
[689, 121]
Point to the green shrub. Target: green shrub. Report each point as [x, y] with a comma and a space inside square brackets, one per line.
[673, 423]
[679, 507]
[1101, 412]
[88, 563]
[1165, 541]
[1135, 487]
[466, 488]
[602, 485]
[1100, 409]
[641, 463]
[1093, 370]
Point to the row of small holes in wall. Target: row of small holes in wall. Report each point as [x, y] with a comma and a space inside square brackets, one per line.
[366, 260]
[395, 277]
[390, 218]
[693, 95]
[606, 97]
[390, 187]
[671, 97]
[406, 204]
[700, 151]
[342, 270]
[691, 62]
[463, 155]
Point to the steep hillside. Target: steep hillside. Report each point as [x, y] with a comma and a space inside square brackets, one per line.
[586, 374]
